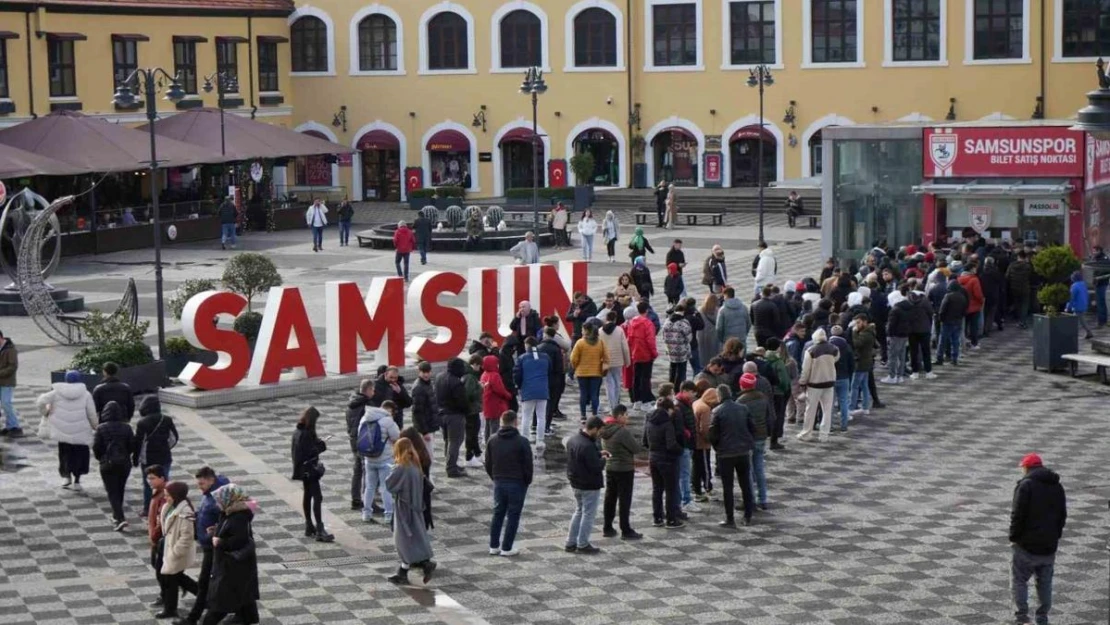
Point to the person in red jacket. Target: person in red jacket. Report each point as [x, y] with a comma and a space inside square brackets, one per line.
[969, 279]
[495, 397]
[640, 332]
[404, 241]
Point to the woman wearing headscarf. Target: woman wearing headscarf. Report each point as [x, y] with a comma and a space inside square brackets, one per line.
[233, 588]
[639, 244]
[406, 484]
[179, 549]
[641, 277]
[610, 228]
[421, 448]
[308, 469]
[69, 417]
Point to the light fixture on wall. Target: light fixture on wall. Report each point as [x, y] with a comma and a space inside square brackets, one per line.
[480, 118]
[412, 114]
[874, 109]
[712, 111]
[951, 116]
[339, 120]
[789, 118]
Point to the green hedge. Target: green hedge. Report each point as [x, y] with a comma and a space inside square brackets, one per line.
[547, 193]
[440, 191]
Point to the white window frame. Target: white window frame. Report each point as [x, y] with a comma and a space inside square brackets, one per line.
[352, 35]
[495, 36]
[1058, 38]
[568, 31]
[726, 36]
[307, 11]
[649, 37]
[434, 10]
[807, 39]
[888, 38]
[969, 38]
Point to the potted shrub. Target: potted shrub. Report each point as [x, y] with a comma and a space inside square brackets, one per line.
[583, 167]
[185, 292]
[249, 274]
[113, 338]
[1055, 333]
[180, 352]
[249, 324]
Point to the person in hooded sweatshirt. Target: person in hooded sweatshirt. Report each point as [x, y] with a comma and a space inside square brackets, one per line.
[664, 452]
[1037, 517]
[818, 378]
[234, 585]
[951, 314]
[112, 445]
[451, 399]
[377, 467]
[641, 277]
[70, 419]
[1080, 301]
[509, 465]
[495, 397]
[732, 434]
[898, 330]
[733, 321]
[155, 437]
[673, 285]
[530, 375]
[616, 346]
[622, 447]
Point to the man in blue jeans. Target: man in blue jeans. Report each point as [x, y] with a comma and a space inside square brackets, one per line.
[317, 217]
[228, 216]
[1036, 524]
[585, 471]
[509, 465]
[845, 369]
[9, 365]
[951, 316]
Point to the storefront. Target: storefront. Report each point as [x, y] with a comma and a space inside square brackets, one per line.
[517, 163]
[744, 155]
[314, 171]
[606, 152]
[675, 154]
[1096, 199]
[380, 153]
[449, 159]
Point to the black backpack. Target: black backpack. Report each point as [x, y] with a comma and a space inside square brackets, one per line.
[116, 456]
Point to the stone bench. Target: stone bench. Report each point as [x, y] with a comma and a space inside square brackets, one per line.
[1099, 361]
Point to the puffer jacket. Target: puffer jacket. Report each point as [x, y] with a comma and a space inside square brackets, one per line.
[863, 344]
[677, 335]
[530, 374]
[179, 552]
[1039, 512]
[703, 415]
[954, 306]
[660, 438]
[733, 321]
[356, 407]
[451, 390]
[899, 322]
[425, 414]
[208, 515]
[731, 430]
[975, 299]
[766, 319]
[495, 397]
[641, 339]
[819, 366]
[846, 364]
[616, 345]
[589, 359]
[111, 389]
[113, 430]
[71, 413]
[622, 446]
[766, 268]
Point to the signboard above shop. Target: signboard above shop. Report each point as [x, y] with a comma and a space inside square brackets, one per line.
[1098, 162]
[1003, 152]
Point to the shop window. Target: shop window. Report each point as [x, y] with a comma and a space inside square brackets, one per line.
[915, 30]
[1086, 28]
[834, 31]
[521, 40]
[125, 59]
[267, 66]
[4, 93]
[447, 42]
[999, 27]
[675, 34]
[63, 68]
[752, 32]
[227, 60]
[377, 44]
[185, 65]
[595, 39]
[309, 43]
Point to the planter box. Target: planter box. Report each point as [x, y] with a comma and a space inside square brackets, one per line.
[583, 197]
[1052, 338]
[175, 363]
[202, 229]
[142, 379]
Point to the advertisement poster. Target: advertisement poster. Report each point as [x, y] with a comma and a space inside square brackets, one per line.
[1034, 151]
[713, 169]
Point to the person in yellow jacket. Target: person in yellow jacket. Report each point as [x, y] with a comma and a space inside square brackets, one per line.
[590, 359]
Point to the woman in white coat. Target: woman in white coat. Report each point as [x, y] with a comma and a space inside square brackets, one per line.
[179, 550]
[69, 417]
[587, 228]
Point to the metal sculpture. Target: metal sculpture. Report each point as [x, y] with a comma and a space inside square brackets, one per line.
[19, 211]
[431, 213]
[455, 216]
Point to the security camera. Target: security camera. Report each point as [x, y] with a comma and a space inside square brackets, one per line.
[609, 100]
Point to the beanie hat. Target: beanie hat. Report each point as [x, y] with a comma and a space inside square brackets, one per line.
[73, 376]
[747, 382]
[1031, 461]
[930, 257]
[911, 249]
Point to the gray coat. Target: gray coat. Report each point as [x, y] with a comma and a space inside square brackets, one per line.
[733, 321]
[708, 345]
[406, 484]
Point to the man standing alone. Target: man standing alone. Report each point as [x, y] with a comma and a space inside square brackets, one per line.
[585, 464]
[509, 465]
[1036, 524]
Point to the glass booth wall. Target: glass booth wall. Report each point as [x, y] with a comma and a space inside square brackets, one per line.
[872, 194]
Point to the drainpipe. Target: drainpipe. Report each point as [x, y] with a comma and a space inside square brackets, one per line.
[250, 61]
[628, 73]
[30, 71]
[1044, 103]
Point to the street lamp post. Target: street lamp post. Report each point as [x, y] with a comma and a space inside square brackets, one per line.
[534, 85]
[151, 80]
[760, 76]
[225, 83]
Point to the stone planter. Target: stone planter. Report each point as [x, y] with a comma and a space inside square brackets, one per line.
[1052, 338]
[175, 363]
[142, 378]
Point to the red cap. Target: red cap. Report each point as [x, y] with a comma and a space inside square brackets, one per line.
[930, 257]
[911, 249]
[747, 381]
[1030, 461]
[801, 287]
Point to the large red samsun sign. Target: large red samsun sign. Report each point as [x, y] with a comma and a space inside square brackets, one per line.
[374, 321]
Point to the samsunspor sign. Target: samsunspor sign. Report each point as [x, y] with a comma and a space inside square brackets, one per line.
[373, 321]
[1030, 152]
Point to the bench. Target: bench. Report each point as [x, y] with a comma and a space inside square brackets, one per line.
[1099, 361]
[366, 238]
[715, 218]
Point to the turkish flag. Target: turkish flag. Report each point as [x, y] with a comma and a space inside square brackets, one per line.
[557, 173]
[414, 178]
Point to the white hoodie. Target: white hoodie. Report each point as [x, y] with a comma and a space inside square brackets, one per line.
[765, 270]
[71, 413]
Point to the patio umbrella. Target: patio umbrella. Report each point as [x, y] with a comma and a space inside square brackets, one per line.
[95, 145]
[245, 139]
[17, 163]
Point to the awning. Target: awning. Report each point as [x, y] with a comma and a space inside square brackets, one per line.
[681, 132]
[17, 163]
[7, 34]
[129, 37]
[65, 37]
[448, 141]
[95, 145]
[752, 132]
[272, 39]
[246, 139]
[378, 140]
[189, 39]
[518, 135]
[974, 187]
[233, 39]
[595, 135]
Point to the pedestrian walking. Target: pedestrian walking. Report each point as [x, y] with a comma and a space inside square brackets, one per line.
[309, 470]
[156, 478]
[622, 447]
[587, 228]
[112, 447]
[113, 389]
[233, 588]
[179, 552]
[407, 483]
[377, 432]
[673, 285]
[639, 245]
[403, 243]
[530, 375]
[207, 519]
[610, 229]
[762, 415]
[817, 380]
[451, 399]
[509, 464]
[590, 360]
[616, 346]
[714, 271]
[69, 417]
[732, 434]
[585, 465]
[422, 229]
[419, 444]
[526, 252]
[9, 366]
[229, 215]
[560, 218]
[1037, 519]
[495, 397]
[766, 267]
[346, 214]
[1079, 302]
[155, 438]
[664, 453]
[317, 217]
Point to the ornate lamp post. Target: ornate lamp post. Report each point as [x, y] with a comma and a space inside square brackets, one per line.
[225, 83]
[760, 76]
[151, 80]
[534, 85]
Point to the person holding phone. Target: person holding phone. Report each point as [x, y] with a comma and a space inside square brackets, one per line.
[308, 469]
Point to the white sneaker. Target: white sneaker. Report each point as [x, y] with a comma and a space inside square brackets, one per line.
[475, 463]
[494, 551]
[510, 553]
[888, 380]
[914, 376]
[856, 413]
[930, 376]
[692, 507]
[900, 379]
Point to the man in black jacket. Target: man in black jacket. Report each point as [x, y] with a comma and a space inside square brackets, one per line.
[766, 321]
[557, 381]
[356, 406]
[112, 446]
[1036, 524]
[389, 386]
[732, 434]
[112, 389]
[155, 436]
[422, 228]
[951, 317]
[664, 453]
[425, 412]
[581, 310]
[228, 216]
[509, 465]
[585, 471]
[453, 405]
[991, 281]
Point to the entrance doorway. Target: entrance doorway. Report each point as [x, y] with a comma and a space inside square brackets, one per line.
[603, 145]
[675, 154]
[517, 165]
[381, 166]
[744, 156]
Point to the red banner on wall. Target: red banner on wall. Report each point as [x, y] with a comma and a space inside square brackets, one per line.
[713, 173]
[997, 152]
[414, 178]
[1098, 162]
[557, 173]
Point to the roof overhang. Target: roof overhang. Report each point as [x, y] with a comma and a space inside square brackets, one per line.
[976, 188]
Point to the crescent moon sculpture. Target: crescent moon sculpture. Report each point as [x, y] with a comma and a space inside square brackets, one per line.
[19, 211]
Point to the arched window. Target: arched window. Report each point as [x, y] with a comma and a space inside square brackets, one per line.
[447, 43]
[816, 154]
[309, 43]
[521, 41]
[595, 39]
[377, 44]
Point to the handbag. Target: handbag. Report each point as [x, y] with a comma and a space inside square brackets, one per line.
[171, 441]
[44, 427]
[313, 469]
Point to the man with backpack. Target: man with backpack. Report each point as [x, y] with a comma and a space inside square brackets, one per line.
[376, 433]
